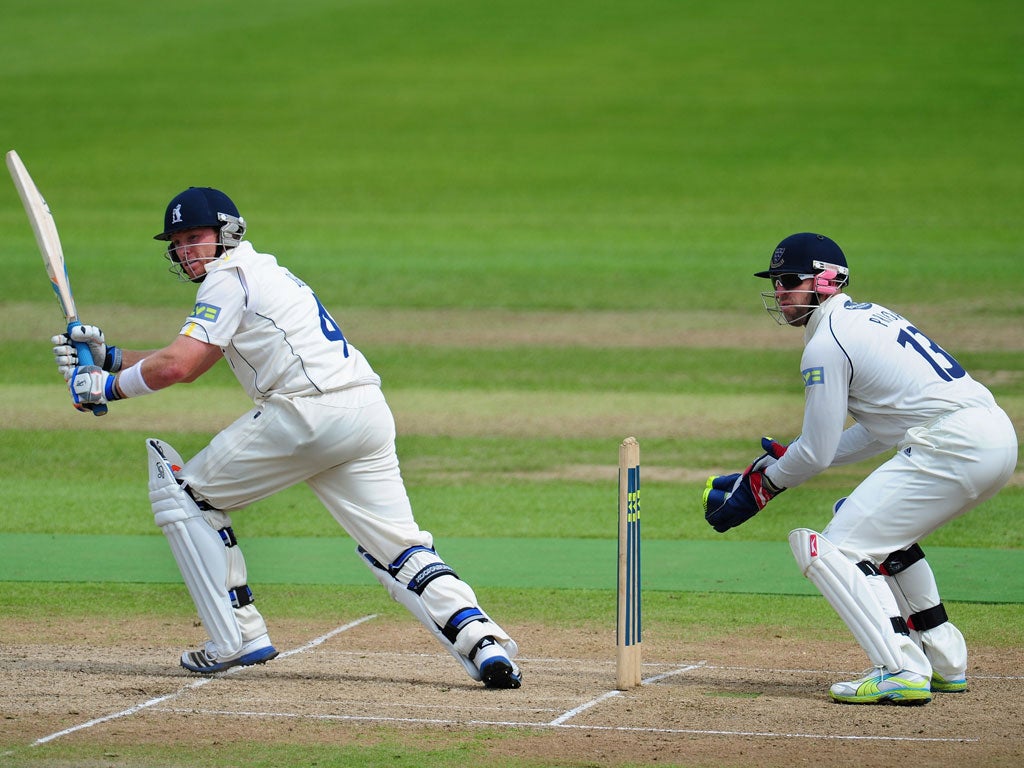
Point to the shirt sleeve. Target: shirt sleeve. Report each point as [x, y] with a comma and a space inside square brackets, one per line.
[220, 305]
[826, 373]
[856, 444]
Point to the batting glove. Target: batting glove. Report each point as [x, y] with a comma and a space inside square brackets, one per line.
[730, 500]
[66, 355]
[91, 386]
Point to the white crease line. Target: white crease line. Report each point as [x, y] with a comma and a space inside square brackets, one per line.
[122, 713]
[559, 722]
[673, 672]
[761, 734]
[839, 672]
[583, 707]
[615, 728]
[197, 684]
[605, 696]
[324, 638]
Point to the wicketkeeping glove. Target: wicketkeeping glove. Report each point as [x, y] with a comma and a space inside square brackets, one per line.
[773, 448]
[91, 386]
[66, 356]
[730, 500]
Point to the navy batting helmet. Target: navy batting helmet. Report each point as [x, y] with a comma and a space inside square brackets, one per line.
[807, 254]
[204, 207]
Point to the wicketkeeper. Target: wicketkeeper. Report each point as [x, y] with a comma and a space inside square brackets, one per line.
[319, 417]
[951, 448]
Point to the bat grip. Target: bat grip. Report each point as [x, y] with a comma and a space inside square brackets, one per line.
[85, 358]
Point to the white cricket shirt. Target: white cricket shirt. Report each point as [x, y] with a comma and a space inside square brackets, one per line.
[276, 335]
[873, 364]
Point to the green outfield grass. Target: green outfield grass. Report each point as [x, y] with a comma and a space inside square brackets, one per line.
[525, 153]
[540, 222]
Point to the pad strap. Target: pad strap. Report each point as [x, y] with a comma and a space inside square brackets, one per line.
[459, 620]
[396, 566]
[241, 596]
[227, 535]
[433, 571]
[901, 560]
[929, 618]
[899, 625]
[868, 568]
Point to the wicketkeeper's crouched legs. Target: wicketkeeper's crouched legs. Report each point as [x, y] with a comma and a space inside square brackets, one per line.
[447, 606]
[213, 568]
[859, 594]
[913, 584]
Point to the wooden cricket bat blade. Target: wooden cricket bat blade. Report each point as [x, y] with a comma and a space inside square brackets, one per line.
[45, 230]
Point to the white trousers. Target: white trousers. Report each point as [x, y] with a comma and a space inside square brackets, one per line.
[940, 471]
[341, 444]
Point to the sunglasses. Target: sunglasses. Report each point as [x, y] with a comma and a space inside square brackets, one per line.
[790, 281]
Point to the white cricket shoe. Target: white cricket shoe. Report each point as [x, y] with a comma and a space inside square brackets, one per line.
[951, 684]
[205, 661]
[879, 686]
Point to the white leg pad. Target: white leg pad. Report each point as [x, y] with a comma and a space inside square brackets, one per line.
[250, 620]
[197, 549]
[946, 649]
[915, 590]
[414, 603]
[447, 591]
[848, 591]
[400, 594]
[478, 630]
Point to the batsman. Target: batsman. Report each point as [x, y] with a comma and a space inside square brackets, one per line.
[319, 417]
[875, 384]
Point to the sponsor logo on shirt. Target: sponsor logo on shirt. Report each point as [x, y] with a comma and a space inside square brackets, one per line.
[207, 312]
[813, 376]
[850, 304]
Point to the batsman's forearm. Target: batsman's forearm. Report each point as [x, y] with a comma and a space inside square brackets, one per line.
[150, 374]
[183, 360]
[130, 357]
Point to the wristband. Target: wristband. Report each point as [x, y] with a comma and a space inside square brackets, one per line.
[109, 390]
[131, 382]
[112, 361]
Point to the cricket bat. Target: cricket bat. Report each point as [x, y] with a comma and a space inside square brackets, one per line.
[45, 230]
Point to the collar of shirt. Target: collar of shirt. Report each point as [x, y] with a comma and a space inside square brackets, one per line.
[826, 307]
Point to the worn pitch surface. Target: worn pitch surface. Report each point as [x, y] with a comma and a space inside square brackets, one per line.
[749, 697]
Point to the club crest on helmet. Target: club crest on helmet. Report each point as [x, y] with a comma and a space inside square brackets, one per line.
[776, 261]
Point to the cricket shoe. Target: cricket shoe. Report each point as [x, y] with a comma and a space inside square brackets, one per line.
[497, 670]
[880, 686]
[205, 661]
[941, 684]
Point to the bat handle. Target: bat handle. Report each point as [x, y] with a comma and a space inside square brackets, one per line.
[85, 358]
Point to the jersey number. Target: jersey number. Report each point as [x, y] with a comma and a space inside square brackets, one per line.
[332, 332]
[939, 359]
